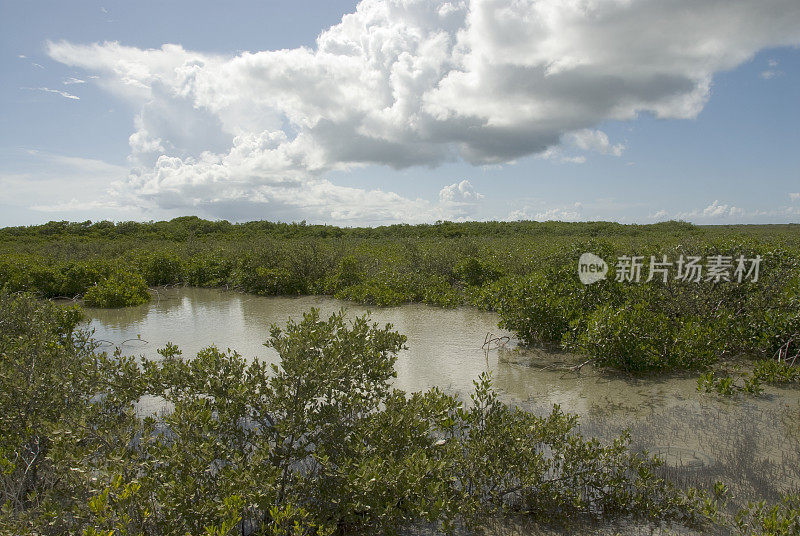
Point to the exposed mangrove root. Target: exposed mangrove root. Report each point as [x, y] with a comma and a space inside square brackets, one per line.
[783, 352]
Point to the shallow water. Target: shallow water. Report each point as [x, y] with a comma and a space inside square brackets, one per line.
[751, 442]
[444, 345]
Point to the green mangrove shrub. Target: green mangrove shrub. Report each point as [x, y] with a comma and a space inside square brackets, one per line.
[630, 338]
[349, 272]
[763, 519]
[121, 289]
[474, 272]
[75, 278]
[776, 372]
[209, 270]
[764, 372]
[373, 292]
[726, 385]
[272, 282]
[160, 268]
[657, 324]
[65, 414]
[534, 310]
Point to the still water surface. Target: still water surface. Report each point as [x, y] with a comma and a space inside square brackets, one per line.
[754, 442]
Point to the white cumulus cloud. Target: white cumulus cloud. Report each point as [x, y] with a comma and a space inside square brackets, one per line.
[415, 82]
[459, 192]
[715, 211]
[460, 199]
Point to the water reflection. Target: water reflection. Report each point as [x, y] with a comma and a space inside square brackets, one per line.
[444, 345]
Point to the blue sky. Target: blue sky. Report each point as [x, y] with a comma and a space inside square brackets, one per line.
[402, 112]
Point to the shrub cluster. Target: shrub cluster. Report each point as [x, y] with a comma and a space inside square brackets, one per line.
[764, 371]
[762, 519]
[319, 444]
[122, 289]
[526, 271]
[656, 325]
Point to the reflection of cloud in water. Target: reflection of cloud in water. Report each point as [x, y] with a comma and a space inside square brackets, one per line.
[118, 319]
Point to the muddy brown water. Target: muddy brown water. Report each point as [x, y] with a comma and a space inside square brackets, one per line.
[752, 443]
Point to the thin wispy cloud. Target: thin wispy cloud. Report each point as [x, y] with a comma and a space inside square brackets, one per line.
[572, 212]
[557, 154]
[660, 215]
[56, 91]
[595, 140]
[721, 212]
[772, 71]
[54, 178]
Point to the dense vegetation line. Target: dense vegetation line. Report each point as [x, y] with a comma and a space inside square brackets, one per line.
[319, 444]
[526, 271]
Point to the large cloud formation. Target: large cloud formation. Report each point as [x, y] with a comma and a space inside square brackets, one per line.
[416, 82]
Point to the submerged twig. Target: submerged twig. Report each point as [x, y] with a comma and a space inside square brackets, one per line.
[499, 341]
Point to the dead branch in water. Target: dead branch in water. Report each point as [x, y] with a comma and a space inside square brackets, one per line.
[563, 368]
[499, 341]
[577, 368]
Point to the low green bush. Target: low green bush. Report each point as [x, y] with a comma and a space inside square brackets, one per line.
[65, 415]
[373, 292]
[20, 273]
[349, 272]
[76, 278]
[212, 270]
[441, 294]
[534, 310]
[121, 289]
[271, 282]
[776, 372]
[655, 325]
[764, 372]
[160, 268]
[764, 519]
[474, 272]
[726, 385]
[631, 338]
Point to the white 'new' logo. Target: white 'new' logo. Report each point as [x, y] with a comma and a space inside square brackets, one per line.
[591, 268]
